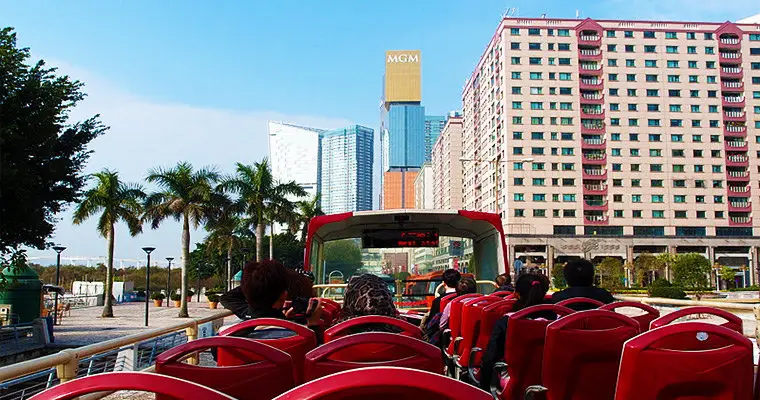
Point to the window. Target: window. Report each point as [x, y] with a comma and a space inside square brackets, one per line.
[693, 64]
[693, 79]
[565, 106]
[534, 60]
[671, 49]
[539, 182]
[658, 214]
[636, 198]
[565, 90]
[517, 151]
[754, 37]
[651, 78]
[629, 48]
[564, 61]
[635, 167]
[655, 167]
[563, 32]
[537, 151]
[539, 213]
[672, 64]
[676, 123]
[650, 63]
[518, 166]
[676, 138]
[630, 78]
[618, 214]
[718, 199]
[568, 151]
[617, 182]
[518, 182]
[534, 31]
[649, 35]
[658, 198]
[709, 50]
[635, 182]
[610, 34]
[673, 78]
[516, 120]
[517, 105]
[654, 137]
[519, 197]
[537, 135]
[612, 62]
[679, 198]
[718, 215]
[671, 35]
[650, 49]
[754, 65]
[539, 197]
[615, 137]
[536, 90]
[653, 107]
[515, 60]
[613, 77]
[516, 75]
[656, 183]
[536, 106]
[653, 93]
[517, 135]
[675, 108]
[519, 212]
[680, 214]
[691, 35]
[674, 93]
[566, 121]
[653, 122]
[696, 139]
[516, 90]
[617, 167]
[708, 36]
[515, 31]
[565, 76]
[633, 137]
[694, 94]
[716, 169]
[616, 152]
[628, 34]
[631, 92]
[630, 63]
[563, 47]
[534, 46]
[538, 166]
[612, 48]
[679, 168]
[636, 214]
[535, 76]
[710, 64]
[613, 92]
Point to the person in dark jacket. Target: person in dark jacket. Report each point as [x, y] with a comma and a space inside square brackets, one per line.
[504, 283]
[451, 278]
[579, 275]
[530, 290]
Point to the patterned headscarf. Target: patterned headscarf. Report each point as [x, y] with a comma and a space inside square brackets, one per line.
[368, 295]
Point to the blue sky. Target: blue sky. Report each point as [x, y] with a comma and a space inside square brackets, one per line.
[197, 80]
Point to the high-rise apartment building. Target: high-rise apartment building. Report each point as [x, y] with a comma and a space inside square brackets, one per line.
[433, 126]
[402, 128]
[346, 169]
[644, 133]
[447, 166]
[294, 154]
[423, 188]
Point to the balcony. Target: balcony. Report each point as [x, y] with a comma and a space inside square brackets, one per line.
[740, 221]
[594, 174]
[592, 128]
[590, 40]
[736, 145]
[592, 98]
[595, 219]
[595, 205]
[736, 128]
[730, 58]
[729, 43]
[733, 176]
[590, 69]
[737, 161]
[595, 158]
[738, 191]
[590, 189]
[591, 83]
[732, 86]
[733, 101]
[592, 113]
[594, 144]
[740, 206]
[734, 116]
[590, 54]
[731, 72]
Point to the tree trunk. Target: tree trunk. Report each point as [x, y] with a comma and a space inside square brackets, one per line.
[185, 265]
[229, 267]
[259, 240]
[108, 292]
[271, 240]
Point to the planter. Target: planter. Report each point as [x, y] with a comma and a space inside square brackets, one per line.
[189, 298]
[213, 305]
[177, 303]
[158, 303]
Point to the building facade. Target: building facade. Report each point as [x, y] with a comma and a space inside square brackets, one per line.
[423, 188]
[346, 169]
[646, 133]
[447, 166]
[433, 127]
[294, 154]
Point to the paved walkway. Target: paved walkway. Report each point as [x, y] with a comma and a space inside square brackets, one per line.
[85, 325]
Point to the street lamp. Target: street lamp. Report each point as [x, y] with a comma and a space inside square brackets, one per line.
[58, 249]
[496, 161]
[147, 251]
[169, 281]
[198, 271]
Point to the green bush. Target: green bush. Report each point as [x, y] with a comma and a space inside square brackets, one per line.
[661, 282]
[668, 292]
[176, 297]
[753, 288]
[212, 297]
[631, 291]
[157, 296]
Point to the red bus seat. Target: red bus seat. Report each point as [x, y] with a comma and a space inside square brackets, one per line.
[672, 363]
[344, 328]
[382, 383]
[296, 346]
[491, 313]
[502, 293]
[446, 299]
[372, 349]
[582, 354]
[732, 321]
[472, 313]
[168, 386]
[650, 313]
[271, 372]
[455, 322]
[580, 303]
[524, 349]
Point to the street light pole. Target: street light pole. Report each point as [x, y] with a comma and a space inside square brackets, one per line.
[147, 251]
[198, 293]
[59, 250]
[169, 281]
[245, 251]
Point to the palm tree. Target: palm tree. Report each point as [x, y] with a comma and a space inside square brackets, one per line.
[117, 201]
[280, 210]
[257, 190]
[226, 231]
[307, 209]
[186, 195]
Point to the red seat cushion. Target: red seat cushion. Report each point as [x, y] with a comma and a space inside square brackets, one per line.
[455, 319]
[650, 313]
[472, 313]
[673, 362]
[347, 327]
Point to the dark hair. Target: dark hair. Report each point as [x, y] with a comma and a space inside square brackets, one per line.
[451, 277]
[264, 282]
[503, 279]
[579, 272]
[466, 285]
[299, 285]
[532, 288]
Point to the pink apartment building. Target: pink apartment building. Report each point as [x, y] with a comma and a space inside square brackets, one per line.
[615, 138]
[447, 167]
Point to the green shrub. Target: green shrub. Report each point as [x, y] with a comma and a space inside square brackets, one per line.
[661, 282]
[668, 292]
[631, 291]
[753, 288]
[212, 297]
[157, 296]
[176, 297]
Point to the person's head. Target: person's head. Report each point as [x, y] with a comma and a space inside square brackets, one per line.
[503, 279]
[367, 294]
[530, 290]
[265, 284]
[466, 285]
[299, 285]
[579, 272]
[451, 277]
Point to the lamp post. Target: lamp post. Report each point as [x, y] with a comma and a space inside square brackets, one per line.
[496, 162]
[227, 268]
[245, 251]
[198, 286]
[59, 250]
[169, 281]
[147, 251]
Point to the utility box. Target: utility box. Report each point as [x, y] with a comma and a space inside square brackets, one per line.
[24, 293]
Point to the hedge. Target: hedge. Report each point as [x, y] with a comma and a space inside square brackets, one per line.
[668, 292]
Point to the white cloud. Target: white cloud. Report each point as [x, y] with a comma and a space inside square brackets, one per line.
[146, 134]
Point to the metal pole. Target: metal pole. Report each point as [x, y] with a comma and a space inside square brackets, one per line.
[147, 289]
[58, 250]
[198, 293]
[169, 281]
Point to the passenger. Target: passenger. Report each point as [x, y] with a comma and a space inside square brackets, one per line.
[579, 275]
[529, 291]
[368, 294]
[451, 278]
[465, 286]
[504, 283]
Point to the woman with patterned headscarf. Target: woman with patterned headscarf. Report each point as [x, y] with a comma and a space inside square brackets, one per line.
[367, 294]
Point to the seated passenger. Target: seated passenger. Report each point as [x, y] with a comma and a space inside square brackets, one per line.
[504, 283]
[368, 294]
[529, 291]
[465, 286]
[579, 275]
[450, 278]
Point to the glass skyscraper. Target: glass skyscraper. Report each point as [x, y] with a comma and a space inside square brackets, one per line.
[403, 136]
[346, 157]
[433, 126]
